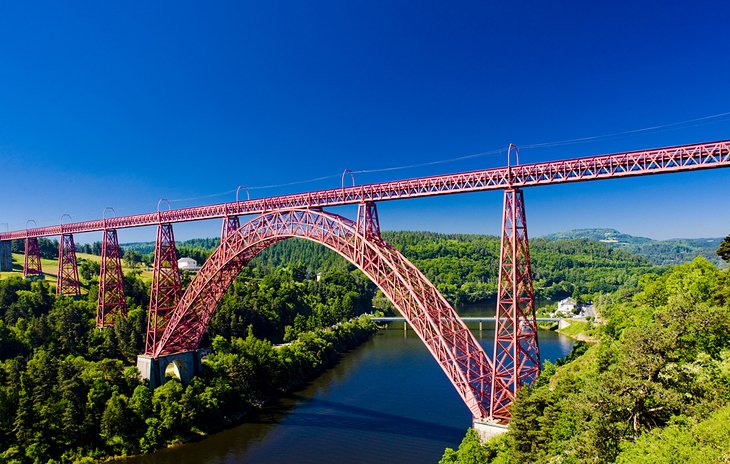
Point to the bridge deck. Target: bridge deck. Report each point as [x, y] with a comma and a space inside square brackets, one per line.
[637, 163]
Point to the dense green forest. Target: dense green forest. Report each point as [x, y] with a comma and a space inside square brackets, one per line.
[655, 389]
[464, 267]
[659, 252]
[68, 390]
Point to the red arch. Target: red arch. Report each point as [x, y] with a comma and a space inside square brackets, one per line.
[447, 338]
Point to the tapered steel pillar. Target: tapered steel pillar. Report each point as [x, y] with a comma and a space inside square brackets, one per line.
[32, 264]
[230, 225]
[166, 286]
[111, 302]
[68, 272]
[368, 223]
[516, 352]
[367, 228]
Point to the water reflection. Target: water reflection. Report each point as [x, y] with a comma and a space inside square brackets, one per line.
[388, 400]
[344, 416]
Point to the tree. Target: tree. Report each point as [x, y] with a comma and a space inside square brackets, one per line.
[88, 269]
[470, 451]
[724, 250]
[132, 258]
[116, 427]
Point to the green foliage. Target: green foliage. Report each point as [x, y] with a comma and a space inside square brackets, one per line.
[49, 248]
[647, 392]
[462, 266]
[470, 451]
[132, 258]
[67, 393]
[250, 370]
[582, 330]
[723, 251]
[88, 269]
[659, 252]
[282, 304]
[684, 440]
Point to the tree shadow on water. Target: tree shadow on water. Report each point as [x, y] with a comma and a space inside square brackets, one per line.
[330, 414]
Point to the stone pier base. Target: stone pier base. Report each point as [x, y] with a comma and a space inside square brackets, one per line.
[185, 364]
[6, 258]
[487, 429]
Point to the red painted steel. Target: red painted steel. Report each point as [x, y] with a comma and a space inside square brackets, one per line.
[166, 285]
[487, 392]
[111, 302]
[367, 228]
[68, 272]
[32, 263]
[516, 354]
[230, 225]
[637, 163]
[432, 318]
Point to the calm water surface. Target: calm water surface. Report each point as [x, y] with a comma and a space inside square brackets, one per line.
[386, 401]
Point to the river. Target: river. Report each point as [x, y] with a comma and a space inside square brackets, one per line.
[386, 401]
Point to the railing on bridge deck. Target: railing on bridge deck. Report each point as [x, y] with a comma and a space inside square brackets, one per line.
[516, 360]
[627, 164]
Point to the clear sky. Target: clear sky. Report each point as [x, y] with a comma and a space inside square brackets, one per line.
[122, 103]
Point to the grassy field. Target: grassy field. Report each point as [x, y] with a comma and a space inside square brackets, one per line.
[581, 330]
[50, 267]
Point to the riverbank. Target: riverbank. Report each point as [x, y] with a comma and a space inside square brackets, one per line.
[240, 377]
[384, 401]
[582, 331]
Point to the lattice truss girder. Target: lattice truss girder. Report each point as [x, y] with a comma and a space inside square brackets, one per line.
[516, 352]
[68, 272]
[432, 318]
[166, 285]
[637, 163]
[111, 302]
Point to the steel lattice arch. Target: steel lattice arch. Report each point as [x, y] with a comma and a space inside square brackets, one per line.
[176, 324]
[432, 318]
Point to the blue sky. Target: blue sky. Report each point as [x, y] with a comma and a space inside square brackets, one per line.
[120, 104]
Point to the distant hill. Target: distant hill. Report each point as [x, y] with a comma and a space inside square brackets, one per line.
[464, 267]
[661, 252]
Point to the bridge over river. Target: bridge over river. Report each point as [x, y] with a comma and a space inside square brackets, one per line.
[177, 320]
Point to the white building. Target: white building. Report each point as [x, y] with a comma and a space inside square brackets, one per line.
[566, 306]
[187, 264]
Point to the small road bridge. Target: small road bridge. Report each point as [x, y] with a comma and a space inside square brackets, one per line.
[487, 385]
[463, 318]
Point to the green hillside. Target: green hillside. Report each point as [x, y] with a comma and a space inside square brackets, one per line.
[464, 267]
[654, 389]
[660, 252]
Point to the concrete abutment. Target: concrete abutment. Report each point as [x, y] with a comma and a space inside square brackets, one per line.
[187, 364]
[6, 258]
[487, 429]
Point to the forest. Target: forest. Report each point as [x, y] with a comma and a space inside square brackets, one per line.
[464, 267]
[68, 392]
[660, 252]
[654, 389]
